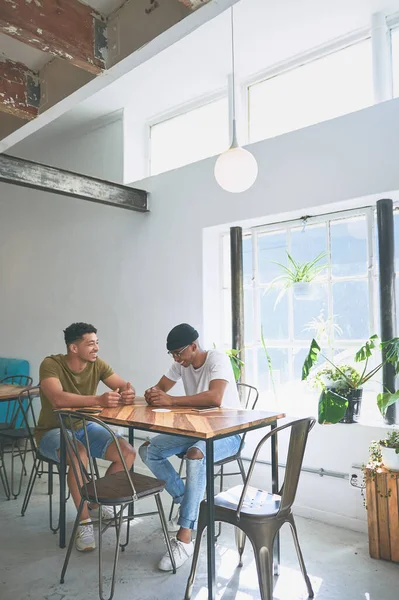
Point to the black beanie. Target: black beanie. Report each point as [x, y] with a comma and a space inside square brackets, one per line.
[181, 335]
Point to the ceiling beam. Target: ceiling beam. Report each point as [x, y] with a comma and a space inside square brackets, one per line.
[19, 90]
[64, 28]
[17, 171]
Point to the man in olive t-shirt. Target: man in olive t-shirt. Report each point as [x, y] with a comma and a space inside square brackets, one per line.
[70, 381]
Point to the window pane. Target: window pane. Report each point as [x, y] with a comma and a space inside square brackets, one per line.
[247, 259]
[279, 362]
[308, 242]
[310, 312]
[395, 60]
[248, 317]
[351, 309]
[271, 249]
[190, 137]
[334, 85]
[274, 317]
[349, 247]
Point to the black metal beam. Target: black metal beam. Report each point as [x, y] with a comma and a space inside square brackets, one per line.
[237, 292]
[386, 258]
[17, 171]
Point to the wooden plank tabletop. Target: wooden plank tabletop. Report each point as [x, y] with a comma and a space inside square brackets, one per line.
[9, 392]
[185, 420]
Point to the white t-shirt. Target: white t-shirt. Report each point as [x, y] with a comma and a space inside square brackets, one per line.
[216, 366]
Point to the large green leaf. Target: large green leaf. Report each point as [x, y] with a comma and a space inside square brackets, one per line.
[311, 359]
[332, 407]
[391, 352]
[366, 351]
[386, 399]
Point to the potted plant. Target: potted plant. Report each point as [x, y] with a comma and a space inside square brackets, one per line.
[390, 450]
[298, 276]
[342, 385]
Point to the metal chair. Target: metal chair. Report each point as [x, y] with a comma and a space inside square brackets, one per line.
[249, 396]
[13, 432]
[39, 461]
[11, 405]
[119, 490]
[259, 514]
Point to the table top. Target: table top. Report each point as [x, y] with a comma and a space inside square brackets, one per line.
[9, 392]
[186, 421]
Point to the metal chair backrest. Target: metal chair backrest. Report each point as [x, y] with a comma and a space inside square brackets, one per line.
[249, 397]
[296, 450]
[70, 422]
[12, 405]
[25, 413]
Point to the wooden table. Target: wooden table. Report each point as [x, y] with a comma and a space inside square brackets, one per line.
[185, 421]
[10, 392]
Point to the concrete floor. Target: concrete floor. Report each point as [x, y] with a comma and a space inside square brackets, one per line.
[337, 561]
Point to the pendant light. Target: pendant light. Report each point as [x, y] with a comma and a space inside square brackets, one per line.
[236, 169]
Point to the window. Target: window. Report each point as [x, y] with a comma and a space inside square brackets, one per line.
[395, 60]
[328, 87]
[190, 137]
[339, 307]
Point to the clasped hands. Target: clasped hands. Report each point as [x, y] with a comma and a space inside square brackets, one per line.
[112, 399]
[156, 397]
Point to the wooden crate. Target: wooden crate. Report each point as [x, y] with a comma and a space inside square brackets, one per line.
[383, 514]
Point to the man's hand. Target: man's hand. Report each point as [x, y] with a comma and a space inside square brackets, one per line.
[157, 397]
[147, 394]
[128, 394]
[110, 399]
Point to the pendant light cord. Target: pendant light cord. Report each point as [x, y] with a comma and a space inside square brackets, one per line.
[234, 143]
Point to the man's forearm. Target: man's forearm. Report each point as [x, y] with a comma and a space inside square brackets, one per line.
[208, 398]
[67, 400]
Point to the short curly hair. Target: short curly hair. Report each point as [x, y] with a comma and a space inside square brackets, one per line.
[76, 331]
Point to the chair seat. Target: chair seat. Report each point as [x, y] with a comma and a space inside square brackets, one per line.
[14, 434]
[257, 503]
[228, 459]
[116, 489]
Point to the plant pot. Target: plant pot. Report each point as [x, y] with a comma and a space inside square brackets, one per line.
[389, 458]
[303, 291]
[354, 401]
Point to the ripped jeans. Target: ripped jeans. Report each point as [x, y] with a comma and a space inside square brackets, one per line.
[188, 495]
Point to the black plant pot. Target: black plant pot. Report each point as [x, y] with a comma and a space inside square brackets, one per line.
[353, 411]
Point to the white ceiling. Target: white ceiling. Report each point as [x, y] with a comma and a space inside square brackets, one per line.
[267, 32]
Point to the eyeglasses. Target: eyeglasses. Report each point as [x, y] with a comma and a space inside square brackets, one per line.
[177, 353]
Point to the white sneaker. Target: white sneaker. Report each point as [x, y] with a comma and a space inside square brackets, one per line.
[181, 552]
[173, 524]
[84, 540]
[107, 513]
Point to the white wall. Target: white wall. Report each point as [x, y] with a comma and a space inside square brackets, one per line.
[135, 276]
[65, 260]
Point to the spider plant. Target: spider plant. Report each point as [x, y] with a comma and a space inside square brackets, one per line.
[295, 272]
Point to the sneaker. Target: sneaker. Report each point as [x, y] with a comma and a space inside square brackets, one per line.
[84, 540]
[173, 525]
[107, 513]
[181, 553]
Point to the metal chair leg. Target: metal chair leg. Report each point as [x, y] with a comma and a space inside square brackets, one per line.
[240, 543]
[300, 557]
[221, 473]
[70, 545]
[116, 556]
[242, 470]
[200, 530]
[31, 484]
[165, 530]
[3, 475]
[54, 528]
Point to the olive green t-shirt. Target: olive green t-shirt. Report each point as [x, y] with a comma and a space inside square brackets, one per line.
[84, 383]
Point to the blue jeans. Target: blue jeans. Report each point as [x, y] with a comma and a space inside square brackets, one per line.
[99, 440]
[189, 496]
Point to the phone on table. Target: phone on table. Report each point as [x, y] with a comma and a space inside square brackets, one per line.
[90, 410]
[205, 408]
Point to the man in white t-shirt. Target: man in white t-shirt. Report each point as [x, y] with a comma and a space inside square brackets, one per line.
[208, 381]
